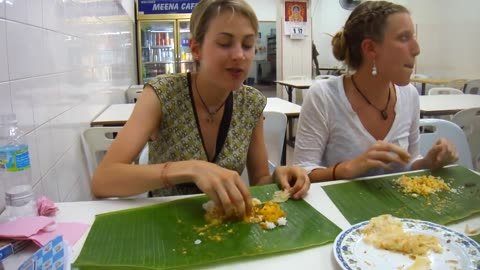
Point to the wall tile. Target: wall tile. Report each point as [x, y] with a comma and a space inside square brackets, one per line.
[44, 96]
[22, 102]
[5, 99]
[3, 51]
[25, 45]
[50, 187]
[34, 161]
[2, 11]
[53, 14]
[25, 11]
[57, 74]
[45, 145]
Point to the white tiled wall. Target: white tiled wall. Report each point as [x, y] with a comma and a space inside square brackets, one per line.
[61, 63]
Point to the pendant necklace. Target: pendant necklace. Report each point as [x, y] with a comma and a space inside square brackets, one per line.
[384, 112]
[211, 114]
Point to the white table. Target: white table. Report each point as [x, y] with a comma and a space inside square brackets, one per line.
[299, 84]
[312, 258]
[447, 104]
[118, 114]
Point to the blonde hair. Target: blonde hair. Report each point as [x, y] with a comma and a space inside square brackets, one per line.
[367, 20]
[206, 10]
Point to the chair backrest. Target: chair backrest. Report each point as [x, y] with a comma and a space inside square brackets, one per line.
[458, 84]
[324, 77]
[133, 93]
[274, 127]
[473, 87]
[469, 121]
[450, 131]
[97, 140]
[444, 91]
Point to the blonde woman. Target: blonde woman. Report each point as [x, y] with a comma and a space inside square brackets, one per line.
[207, 125]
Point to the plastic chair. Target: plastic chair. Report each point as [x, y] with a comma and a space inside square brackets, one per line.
[97, 140]
[469, 121]
[133, 93]
[473, 87]
[324, 77]
[298, 93]
[444, 91]
[274, 128]
[458, 84]
[445, 129]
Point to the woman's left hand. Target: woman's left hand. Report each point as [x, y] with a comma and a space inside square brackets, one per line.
[287, 176]
[442, 153]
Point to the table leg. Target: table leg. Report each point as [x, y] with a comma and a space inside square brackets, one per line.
[289, 90]
[283, 162]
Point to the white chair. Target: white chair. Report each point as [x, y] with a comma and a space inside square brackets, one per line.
[324, 77]
[298, 92]
[458, 84]
[444, 91]
[97, 140]
[473, 87]
[133, 93]
[469, 121]
[274, 128]
[445, 129]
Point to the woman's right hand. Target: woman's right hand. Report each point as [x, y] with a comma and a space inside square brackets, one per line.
[379, 155]
[225, 187]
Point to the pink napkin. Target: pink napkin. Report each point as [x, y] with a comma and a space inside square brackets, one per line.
[46, 207]
[24, 227]
[71, 233]
[41, 230]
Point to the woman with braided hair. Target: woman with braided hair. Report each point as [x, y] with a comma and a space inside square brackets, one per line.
[367, 123]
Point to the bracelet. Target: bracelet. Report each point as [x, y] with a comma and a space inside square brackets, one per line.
[166, 182]
[334, 177]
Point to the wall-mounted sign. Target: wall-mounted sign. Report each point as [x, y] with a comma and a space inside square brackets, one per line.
[166, 6]
[295, 19]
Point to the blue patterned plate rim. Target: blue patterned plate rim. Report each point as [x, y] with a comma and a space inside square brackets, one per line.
[338, 245]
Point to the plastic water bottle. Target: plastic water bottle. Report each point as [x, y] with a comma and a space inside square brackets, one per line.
[15, 172]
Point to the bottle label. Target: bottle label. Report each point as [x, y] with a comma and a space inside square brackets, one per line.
[14, 158]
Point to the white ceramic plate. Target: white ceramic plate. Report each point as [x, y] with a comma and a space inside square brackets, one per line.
[459, 251]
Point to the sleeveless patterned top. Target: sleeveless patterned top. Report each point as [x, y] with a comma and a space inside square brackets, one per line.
[179, 137]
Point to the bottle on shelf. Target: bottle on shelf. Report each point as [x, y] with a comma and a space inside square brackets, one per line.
[15, 172]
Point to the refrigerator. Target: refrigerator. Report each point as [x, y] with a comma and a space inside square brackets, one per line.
[163, 45]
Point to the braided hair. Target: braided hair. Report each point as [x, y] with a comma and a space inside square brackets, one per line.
[367, 20]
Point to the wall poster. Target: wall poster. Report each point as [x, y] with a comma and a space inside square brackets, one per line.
[295, 19]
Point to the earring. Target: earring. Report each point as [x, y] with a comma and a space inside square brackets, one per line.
[374, 69]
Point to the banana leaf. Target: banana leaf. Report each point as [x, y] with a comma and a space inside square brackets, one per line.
[361, 200]
[476, 238]
[163, 236]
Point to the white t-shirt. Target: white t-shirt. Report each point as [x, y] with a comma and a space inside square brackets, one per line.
[329, 130]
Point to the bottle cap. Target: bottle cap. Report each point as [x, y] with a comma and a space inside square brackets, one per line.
[19, 195]
[9, 118]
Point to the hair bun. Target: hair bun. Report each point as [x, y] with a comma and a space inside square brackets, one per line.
[339, 46]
